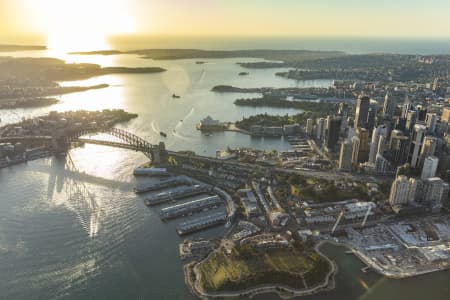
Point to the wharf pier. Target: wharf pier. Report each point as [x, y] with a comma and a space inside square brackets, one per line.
[171, 182]
[181, 193]
[190, 207]
[201, 223]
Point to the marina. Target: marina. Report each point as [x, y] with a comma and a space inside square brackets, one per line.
[201, 223]
[190, 207]
[183, 192]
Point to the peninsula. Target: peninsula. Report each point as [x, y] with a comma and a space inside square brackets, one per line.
[27, 78]
[15, 48]
[274, 55]
[31, 102]
[290, 268]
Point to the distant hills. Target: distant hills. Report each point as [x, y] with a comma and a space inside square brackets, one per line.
[285, 56]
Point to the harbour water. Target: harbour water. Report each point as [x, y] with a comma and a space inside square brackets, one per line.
[77, 230]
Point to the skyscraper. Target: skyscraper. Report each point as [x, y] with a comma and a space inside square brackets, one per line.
[374, 145]
[431, 121]
[371, 116]
[309, 126]
[320, 128]
[355, 150]
[343, 113]
[406, 107]
[429, 167]
[403, 191]
[363, 135]
[411, 119]
[382, 165]
[416, 144]
[390, 103]
[333, 129]
[399, 147]
[345, 157]
[435, 192]
[428, 148]
[362, 111]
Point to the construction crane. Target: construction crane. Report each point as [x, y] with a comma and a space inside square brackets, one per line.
[337, 222]
[366, 216]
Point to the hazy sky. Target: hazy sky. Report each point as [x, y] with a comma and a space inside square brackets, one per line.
[227, 17]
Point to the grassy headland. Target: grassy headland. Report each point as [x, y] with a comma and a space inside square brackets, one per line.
[245, 267]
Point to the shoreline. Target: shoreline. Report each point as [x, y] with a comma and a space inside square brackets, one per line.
[283, 291]
[375, 268]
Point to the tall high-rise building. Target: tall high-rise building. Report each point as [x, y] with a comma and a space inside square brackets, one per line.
[382, 165]
[411, 119]
[363, 135]
[406, 107]
[429, 168]
[390, 103]
[362, 111]
[399, 147]
[345, 157]
[309, 127]
[428, 148]
[403, 191]
[431, 121]
[320, 128]
[416, 144]
[380, 131]
[435, 192]
[372, 116]
[333, 129]
[343, 113]
[351, 133]
[381, 145]
[421, 113]
[356, 142]
[400, 124]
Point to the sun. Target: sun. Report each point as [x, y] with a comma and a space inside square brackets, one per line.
[80, 25]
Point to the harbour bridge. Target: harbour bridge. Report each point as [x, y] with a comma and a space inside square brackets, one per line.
[119, 138]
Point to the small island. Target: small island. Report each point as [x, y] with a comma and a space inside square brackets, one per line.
[261, 264]
[233, 89]
[262, 65]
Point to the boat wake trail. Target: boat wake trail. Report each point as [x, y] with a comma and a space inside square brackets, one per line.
[155, 127]
[180, 123]
[176, 134]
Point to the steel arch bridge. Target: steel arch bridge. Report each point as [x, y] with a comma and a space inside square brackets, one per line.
[126, 140]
